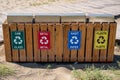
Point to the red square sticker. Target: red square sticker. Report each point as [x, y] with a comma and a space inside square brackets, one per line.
[43, 40]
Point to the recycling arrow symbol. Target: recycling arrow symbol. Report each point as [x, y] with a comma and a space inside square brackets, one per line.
[44, 40]
[74, 40]
[18, 40]
[101, 40]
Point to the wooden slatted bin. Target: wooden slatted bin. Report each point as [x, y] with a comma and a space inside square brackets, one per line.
[104, 26]
[59, 38]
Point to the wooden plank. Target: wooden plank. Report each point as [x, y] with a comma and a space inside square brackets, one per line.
[82, 28]
[22, 52]
[59, 42]
[43, 52]
[35, 38]
[89, 40]
[29, 42]
[66, 51]
[13, 27]
[51, 51]
[73, 57]
[97, 27]
[112, 34]
[7, 44]
[103, 52]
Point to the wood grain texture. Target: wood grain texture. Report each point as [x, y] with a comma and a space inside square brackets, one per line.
[81, 52]
[103, 52]
[112, 34]
[37, 57]
[51, 51]
[97, 27]
[89, 40]
[73, 57]
[7, 44]
[66, 52]
[59, 42]
[29, 42]
[22, 52]
[15, 54]
[44, 54]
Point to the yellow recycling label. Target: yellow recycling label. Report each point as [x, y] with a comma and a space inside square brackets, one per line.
[101, 39]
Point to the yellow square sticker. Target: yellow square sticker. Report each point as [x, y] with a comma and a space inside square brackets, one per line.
[101, 39]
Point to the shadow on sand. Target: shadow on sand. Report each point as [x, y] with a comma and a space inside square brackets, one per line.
[115, 64]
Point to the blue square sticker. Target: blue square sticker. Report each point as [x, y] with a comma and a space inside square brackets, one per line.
[74, 39]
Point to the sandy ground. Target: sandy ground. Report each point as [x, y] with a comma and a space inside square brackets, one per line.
[53, 71]
[59, 71]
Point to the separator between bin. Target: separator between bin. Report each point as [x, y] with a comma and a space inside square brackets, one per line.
[19, 17]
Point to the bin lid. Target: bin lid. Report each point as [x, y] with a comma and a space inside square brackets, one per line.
[101, 17]
[19, 17]
[73, 17]
[47, 17]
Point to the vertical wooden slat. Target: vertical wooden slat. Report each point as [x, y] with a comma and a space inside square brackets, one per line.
[35, 36]
[105, 27]
[59, 42]
[14, 51]
[73, 57]
[82, 28]
[6, 34]
[43, 52]
[29, 42]
[97, 27]
[89, 40]
[66, 51]
[51, 51]
[22, 52]
[112, 34]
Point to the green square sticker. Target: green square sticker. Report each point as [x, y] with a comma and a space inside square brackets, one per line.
[17, 39]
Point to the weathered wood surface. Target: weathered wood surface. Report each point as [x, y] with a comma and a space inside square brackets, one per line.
[59, 51]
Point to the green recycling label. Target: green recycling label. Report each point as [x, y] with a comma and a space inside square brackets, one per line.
[17, 39]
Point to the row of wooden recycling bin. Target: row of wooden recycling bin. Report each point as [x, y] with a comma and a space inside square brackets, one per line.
[59, 37]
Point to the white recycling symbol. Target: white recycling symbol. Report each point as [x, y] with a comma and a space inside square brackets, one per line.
[74, 40]
[44, 38]
[18, 40]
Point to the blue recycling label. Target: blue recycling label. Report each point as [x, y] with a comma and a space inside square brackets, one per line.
[74, 39]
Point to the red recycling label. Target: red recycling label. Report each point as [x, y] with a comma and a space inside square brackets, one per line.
[43, 40]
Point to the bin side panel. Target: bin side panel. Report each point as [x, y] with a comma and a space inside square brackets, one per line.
[97, 27]
[103, 52]
[44, 56]
[51, 51]
[66, 52]
[73, 56]
[89, 40]
[29, 42]
[81, 52]
[7, 44]
[35, 38]
[15, 54]
[22, 52]
[111, 39]
[59, 42]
